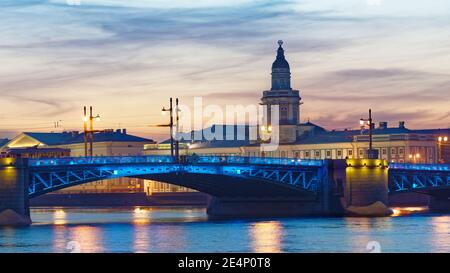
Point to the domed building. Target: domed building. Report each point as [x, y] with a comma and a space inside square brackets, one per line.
[285, 98]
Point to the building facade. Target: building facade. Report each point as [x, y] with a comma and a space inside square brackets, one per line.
[106, 143]
[310, 141]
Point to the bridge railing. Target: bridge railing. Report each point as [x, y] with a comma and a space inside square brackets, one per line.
[99, 160]
[419, 167]
[168, 159]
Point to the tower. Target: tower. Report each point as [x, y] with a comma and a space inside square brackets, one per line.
[282, 95]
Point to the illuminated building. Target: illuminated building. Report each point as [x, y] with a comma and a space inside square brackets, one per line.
[106, 143]
[310, 141]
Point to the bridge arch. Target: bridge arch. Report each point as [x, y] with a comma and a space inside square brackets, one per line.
[234, 178]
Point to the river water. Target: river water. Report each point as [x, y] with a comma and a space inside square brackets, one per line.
[186, 229]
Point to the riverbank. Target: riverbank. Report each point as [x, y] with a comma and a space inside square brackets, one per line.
[121, 199]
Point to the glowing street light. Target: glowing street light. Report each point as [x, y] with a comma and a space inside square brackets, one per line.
[91, 131]
[267, 129]
[414, 157]
[440, 141]
[373, 154]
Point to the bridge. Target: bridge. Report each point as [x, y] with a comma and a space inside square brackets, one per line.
[238, 186]
[429, 179]
[207, 174]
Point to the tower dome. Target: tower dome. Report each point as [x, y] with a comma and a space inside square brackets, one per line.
[281, 73]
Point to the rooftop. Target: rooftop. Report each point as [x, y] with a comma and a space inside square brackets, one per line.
[75, 137]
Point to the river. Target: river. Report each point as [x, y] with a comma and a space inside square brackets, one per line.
[187, 229]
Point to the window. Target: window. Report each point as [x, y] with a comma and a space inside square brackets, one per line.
[306, 154]
[400, 151]
[317, 153]
[328, 153]
[393, 151]
[384, 151]
[296, 154]
[350, 152]
[339, 153]
[283, 154]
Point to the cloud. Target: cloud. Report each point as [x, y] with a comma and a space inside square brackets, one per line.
[132, 55]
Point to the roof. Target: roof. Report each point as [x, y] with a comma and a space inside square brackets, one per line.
[280, 61]
[51, 139]
[216, 136]
[322, 136]
[35, 150]
[310, 134]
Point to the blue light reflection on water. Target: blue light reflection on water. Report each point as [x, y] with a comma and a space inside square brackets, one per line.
[189, 230]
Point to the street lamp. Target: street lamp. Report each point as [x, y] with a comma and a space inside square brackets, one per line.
[174, 144]
[265, 129]
[91, 130]
[170, 110]
[373, 154]
[414, 157]
[441, 140]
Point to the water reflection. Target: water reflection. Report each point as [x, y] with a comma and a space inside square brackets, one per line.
[188, 230]
[59, 217]
[141, 220]
[266, 236]
[363, 232]
[401, 211]
[88, 238]
[141, 216]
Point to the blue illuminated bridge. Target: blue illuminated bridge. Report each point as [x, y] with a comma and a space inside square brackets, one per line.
[217, 176]
[202, 173]
[421, 178]
[237, 186]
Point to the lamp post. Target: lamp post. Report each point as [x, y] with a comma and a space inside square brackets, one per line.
[174, 144]
[177, 141]
[170, 110]
[91, 131]
[440, 141]
[372, 154]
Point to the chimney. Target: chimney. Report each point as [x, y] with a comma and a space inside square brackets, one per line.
[124, 131]
[401, 124]
[383, 125]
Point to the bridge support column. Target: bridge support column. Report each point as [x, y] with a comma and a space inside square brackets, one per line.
[366, 188]
[14, 208]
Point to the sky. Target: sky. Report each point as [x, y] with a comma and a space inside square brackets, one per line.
[126, 58]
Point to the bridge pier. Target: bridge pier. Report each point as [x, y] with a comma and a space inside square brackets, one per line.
[366, 189]
[14, 208]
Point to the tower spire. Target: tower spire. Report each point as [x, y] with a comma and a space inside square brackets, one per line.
[281, 75]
